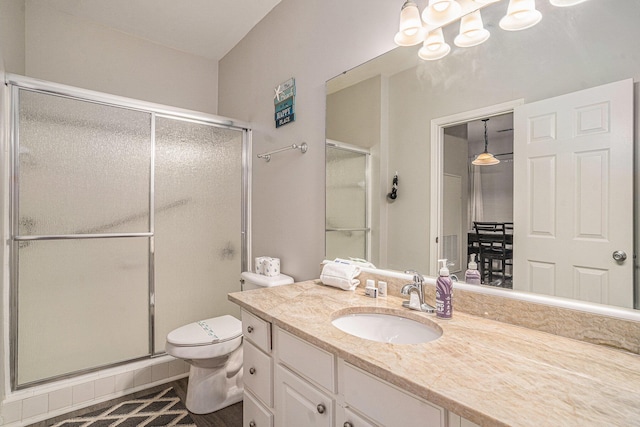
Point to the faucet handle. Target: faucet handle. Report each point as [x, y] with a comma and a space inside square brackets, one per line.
[417, 277]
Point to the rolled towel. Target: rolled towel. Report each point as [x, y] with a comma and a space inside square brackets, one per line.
[340, 275]
[271, 267]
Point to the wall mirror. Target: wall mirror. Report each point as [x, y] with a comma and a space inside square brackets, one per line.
[423, 120]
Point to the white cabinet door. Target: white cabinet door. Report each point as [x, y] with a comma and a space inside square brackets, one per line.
[573, 195]
[254, 414]
[298, 403]
[258, 374]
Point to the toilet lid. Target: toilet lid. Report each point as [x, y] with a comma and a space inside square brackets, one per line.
[203, 332]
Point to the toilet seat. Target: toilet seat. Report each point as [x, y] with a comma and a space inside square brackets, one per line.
[205, 339]
[205, 332]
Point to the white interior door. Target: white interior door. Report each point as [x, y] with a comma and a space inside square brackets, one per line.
[573, 195]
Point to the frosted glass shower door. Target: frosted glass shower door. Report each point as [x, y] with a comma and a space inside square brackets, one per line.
[198, 222]
[346, 204]
[81, 236]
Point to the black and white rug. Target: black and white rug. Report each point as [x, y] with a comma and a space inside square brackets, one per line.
[162, 408]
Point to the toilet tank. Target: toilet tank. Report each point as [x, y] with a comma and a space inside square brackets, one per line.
[257, 281]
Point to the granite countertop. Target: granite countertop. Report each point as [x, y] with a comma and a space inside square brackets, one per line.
[492, 373]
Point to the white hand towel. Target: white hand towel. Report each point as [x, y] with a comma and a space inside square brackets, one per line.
[271, 267]
[340, 275]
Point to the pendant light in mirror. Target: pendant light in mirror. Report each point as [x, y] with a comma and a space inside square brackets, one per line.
[411, 30]
[485, 158]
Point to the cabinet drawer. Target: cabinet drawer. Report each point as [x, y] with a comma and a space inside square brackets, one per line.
[258, 373]
[306, 359]
[300, 404]
[257, 331]
[351, 419]
[385, 404]
[254, 414]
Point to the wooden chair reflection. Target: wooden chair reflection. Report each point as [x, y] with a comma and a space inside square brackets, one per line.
[495, 249]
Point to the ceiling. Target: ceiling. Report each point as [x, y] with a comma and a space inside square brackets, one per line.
[207, 28]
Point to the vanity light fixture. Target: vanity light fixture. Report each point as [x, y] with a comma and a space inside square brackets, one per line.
[440, 12]
[434, 46]
[521, 14]
[485, 158]
[411, 30]
[472, 32]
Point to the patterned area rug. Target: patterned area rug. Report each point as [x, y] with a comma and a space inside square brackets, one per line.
[159, 409]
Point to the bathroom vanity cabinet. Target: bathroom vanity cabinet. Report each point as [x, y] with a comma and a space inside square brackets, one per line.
[291, 382]
[298, 366]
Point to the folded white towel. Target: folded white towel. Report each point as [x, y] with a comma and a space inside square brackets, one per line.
[340, 275]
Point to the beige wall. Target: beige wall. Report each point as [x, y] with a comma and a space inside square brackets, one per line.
[312, 41]
[40, 42]
[316, 41]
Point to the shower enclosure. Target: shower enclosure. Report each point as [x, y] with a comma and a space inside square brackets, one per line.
[347, 232]
[127, 220]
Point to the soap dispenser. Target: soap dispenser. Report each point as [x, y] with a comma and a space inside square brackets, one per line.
[472, 275]
[444, 292]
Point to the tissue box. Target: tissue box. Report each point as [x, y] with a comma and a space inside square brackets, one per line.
[259, 266]
[271, 266]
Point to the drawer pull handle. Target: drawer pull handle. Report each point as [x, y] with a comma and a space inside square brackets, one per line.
[252, 371]
[252, 424]
[347, 424]
[249, 329]
[321, 408]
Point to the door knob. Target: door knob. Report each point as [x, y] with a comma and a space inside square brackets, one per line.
[620, 256]
[321, 408]
[249, 329]
[252, 371]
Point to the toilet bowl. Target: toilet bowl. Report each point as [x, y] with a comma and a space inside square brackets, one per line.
[213, 349]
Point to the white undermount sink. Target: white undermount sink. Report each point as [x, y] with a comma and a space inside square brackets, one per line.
[386, 328]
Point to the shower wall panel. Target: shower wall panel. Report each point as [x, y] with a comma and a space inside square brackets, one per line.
[198, 199]
[83, 169]
[126, 224]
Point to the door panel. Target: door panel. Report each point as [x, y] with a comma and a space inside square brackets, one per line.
[574, 197]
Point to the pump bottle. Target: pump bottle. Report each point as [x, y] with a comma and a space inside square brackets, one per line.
[444, 292]
[472, 275]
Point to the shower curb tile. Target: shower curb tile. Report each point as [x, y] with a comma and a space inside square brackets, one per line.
[83, 392]
[105, 386]
[159, 372]
[12, 412]
[59, 399]
[34, 406]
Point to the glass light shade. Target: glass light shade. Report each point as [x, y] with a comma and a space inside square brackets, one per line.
[441, 11]
[485, 159]
[434, 46]
[472, 32]
[411, 31]
[521, 14]
[565, 3]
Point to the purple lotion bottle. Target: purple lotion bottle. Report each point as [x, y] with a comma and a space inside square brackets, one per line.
[472, 275]
[444, 292]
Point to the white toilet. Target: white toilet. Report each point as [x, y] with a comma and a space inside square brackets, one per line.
[213, 348]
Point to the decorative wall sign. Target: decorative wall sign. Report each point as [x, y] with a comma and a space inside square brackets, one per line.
[285, 102]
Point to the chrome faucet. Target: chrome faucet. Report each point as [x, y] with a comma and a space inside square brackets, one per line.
[418, 287]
